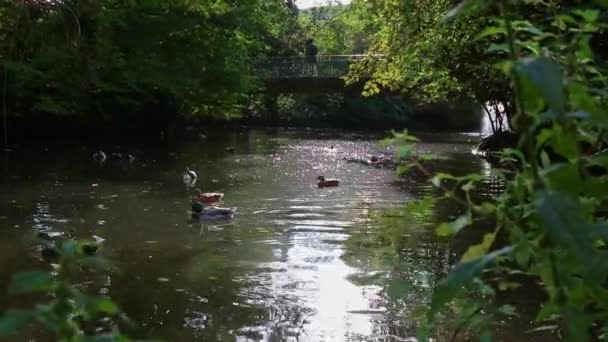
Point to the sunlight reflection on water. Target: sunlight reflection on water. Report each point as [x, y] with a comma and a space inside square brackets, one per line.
[280, 271]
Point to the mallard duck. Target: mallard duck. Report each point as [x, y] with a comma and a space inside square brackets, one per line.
[100, 156]
[189, 176]
[207, 197]
[230, 149]
[326, 183]
[211, 213]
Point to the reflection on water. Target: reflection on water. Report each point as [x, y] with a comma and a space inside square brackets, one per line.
[283, 270]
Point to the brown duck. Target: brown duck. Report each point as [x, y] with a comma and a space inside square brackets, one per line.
[327, 183]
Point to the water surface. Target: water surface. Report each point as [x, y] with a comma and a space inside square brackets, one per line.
[285, 269]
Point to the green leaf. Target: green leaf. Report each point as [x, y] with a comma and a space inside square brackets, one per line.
[564, 177]
[546, 78]
[581, 99]
[577, 325]
[27, 282]
[486, 336]
[463, 274]
[404, 152]
[498, 47]
[543, 136]
[589, 15]
[105, 305]
[13, 320]
[492, 31]
[449, 229]
[564, 143]
[562, 218]
[480, 249]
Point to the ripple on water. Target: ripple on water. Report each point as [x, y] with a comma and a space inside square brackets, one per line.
[280, 271]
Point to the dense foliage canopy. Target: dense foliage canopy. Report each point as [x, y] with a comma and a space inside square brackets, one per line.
[99, 59]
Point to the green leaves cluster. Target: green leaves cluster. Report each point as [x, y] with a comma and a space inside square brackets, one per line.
[339, 29]
[552, 214]
[69, 309]
[101, 59]
[427, 57]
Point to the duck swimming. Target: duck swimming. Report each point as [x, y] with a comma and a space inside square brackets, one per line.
[207, 197]
[189, 176]
[100, 156]
[199, 211]
[327, 183]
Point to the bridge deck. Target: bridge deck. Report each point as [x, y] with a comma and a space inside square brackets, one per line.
[324, 66]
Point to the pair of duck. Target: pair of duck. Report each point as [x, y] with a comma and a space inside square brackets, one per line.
[203, 202]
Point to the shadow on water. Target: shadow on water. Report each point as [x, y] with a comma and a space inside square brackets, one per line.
[292, 265]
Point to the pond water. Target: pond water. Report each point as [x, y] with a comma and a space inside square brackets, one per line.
[286, 268]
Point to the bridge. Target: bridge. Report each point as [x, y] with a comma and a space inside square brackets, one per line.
[297, 74]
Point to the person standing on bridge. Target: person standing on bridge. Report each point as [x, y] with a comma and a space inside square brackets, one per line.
[311, 55]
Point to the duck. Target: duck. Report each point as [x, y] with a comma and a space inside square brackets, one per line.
[213, 213]
[189, 176]
[207, 197]
[100, 156]
[327, 183]
[230, 149]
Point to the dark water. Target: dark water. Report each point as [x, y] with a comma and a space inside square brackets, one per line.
[285, 269]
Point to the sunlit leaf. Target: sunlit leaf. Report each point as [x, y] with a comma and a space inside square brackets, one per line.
[105, 305]
[493, 31]
[12, 321]
[449, 229]
[589, 15]
[27, 282]
[498, 47]
[468, 186]
[480, 249]
[450, 286]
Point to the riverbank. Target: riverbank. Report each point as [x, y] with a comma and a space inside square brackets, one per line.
[326, 111]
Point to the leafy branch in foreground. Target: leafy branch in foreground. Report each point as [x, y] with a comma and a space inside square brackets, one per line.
[552, 213]
[69, 310]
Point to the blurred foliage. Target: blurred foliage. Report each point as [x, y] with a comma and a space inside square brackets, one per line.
[70, 314]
